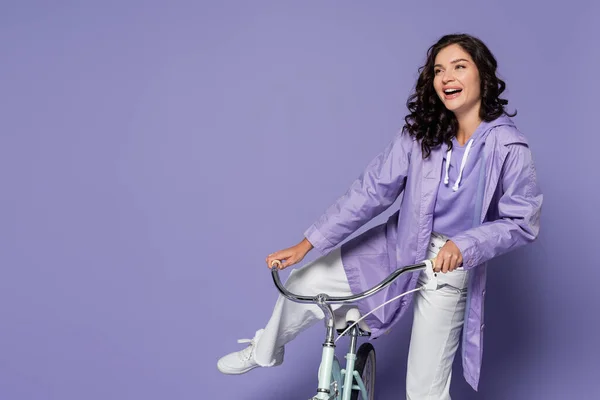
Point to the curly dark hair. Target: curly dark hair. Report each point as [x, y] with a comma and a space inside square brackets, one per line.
[429, 120]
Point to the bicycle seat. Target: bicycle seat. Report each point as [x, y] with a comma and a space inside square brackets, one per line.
[352, 315]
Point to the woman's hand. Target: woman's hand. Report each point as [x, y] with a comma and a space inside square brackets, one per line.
[291, 255]
[448, 259]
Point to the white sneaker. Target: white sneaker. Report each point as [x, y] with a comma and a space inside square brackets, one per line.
[243, 361]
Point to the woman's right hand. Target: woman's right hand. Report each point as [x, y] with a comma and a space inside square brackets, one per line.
[291, 255]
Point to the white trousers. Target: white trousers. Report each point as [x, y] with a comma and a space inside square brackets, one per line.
[437, 322]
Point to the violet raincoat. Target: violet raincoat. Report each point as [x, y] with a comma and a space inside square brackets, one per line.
[508, 202]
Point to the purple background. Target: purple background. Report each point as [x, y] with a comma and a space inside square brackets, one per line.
[152, 154]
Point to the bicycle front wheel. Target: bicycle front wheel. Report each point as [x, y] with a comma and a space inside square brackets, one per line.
[365, 366]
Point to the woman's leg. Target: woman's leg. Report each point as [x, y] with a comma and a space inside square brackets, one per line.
[324, 275]
[437, 324]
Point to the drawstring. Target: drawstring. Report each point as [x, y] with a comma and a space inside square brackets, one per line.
[448, 155]
[462, 165]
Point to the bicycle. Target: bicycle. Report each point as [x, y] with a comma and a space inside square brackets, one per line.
[358, 378]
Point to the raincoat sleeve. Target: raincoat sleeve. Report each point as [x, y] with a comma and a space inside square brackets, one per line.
[369, 195]
[519, 209]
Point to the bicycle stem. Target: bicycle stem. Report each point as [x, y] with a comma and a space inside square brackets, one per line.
[322, 302]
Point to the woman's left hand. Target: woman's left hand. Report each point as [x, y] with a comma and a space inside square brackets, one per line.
[448, 259]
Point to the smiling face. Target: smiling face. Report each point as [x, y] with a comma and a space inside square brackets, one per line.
[456, 80]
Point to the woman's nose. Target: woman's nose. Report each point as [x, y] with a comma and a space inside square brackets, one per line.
[447, 76]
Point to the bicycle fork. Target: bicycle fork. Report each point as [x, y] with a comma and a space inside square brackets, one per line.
[325, 391]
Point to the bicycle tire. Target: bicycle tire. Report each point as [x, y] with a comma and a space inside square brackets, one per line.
[365, 366]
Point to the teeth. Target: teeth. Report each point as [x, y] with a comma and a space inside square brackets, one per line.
[449, 91]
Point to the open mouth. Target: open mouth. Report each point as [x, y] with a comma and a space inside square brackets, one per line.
[451, 93]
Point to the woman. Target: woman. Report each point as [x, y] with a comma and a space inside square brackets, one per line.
[469, 194]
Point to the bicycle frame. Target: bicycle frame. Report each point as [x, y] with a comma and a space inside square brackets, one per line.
[349, 374]
[329, 364]
[326, 389]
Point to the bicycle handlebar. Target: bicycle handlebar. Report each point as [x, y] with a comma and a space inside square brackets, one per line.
[345, 299]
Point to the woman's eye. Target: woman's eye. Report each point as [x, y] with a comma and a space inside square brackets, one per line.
[437, 71]
[460, 66]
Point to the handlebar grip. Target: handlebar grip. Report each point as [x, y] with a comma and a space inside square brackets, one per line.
[432, 262]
